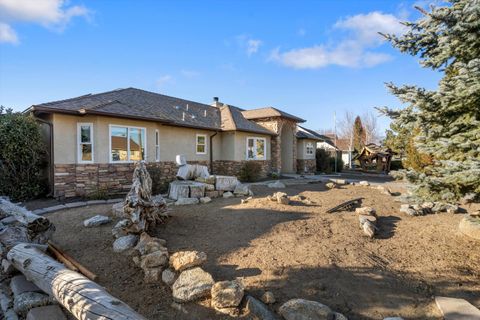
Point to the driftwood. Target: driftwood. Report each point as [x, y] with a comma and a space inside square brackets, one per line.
[30, 227]
[77, 265]
[143, 212]
[83, 298]
[346, 206]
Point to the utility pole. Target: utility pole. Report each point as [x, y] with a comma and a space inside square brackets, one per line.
[335, 137]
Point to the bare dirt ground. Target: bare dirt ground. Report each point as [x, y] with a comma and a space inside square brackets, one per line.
[296, 251]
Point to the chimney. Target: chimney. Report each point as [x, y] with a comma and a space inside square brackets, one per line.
[216, 102]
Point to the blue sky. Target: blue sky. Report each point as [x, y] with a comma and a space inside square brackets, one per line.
[309, 58]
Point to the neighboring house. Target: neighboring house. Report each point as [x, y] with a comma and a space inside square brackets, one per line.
[96, 138]
[333, 144]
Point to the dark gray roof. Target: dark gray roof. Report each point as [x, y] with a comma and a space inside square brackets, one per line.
[269, 112]
[304, 133]
[140, 104]
[232, 119]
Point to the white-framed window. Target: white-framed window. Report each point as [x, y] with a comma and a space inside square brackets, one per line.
[309, 149]
[85, 142]
[157, 146]
[201, 144]
[127, 144]
[256, 148]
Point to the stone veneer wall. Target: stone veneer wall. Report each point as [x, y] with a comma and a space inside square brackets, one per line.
[232, 168]
[309, 164]
[81, 180]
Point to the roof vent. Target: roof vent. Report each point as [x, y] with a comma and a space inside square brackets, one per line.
[176, 107]
[187, 106]
[205, 113]
[183, 116]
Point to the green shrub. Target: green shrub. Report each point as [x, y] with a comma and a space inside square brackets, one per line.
[250, 171]
[22, 153]
[326, 162]
[396, 165]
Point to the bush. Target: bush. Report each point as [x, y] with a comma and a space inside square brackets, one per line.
[250, 171]
[326, 162]
[21, 156]
[396, 165]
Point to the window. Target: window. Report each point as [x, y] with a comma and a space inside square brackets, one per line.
[201, 146]
[256, 148]
[127, 144]
[85, 142]
[309, 149]
[157, 146]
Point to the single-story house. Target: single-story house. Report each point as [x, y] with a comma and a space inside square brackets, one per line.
[94, 140]
[342, 146]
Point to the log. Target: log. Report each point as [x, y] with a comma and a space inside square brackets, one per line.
[83, 270]
[83, 298]
[39, 228]
[61, 258]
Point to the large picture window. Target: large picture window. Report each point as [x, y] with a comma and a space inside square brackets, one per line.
[201, 144]
[256, 148]
[85, 142]
[127, 143]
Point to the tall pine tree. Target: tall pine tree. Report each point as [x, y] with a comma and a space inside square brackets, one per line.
[446, 39]
[359, 134]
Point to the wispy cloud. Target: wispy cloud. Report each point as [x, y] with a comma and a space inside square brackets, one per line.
[301, 32]
[7, 34]
[355, 49]
[52, 14]
[249, 44]
[163, 80]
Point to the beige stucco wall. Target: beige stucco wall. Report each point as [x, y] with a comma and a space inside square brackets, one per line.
[301, 149]
[173, 140]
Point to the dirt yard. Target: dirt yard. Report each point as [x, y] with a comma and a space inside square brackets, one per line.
[296, 251]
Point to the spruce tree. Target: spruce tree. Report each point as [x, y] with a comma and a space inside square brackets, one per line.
[359, 135]
[446, 39]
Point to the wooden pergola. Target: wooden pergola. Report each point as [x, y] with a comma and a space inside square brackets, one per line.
[373, 154]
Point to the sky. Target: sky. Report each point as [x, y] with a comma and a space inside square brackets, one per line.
[308, 58]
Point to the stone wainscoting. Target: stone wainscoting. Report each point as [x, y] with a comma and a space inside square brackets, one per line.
[308, 166]
[83, 180]
[232, 168]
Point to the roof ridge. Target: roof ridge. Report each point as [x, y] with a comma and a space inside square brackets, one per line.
[79, 97]
[227, 107]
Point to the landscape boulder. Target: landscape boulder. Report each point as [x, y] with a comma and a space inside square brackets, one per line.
[186, 201]
[369, 211]
[152, 275]
[53, 312]
[205, 200]
[96, 221]
[276, 185]
[299, 309]
[470, 226]
[154, 259]
[183, 260]
[119, 229]
[124, 243]
[282, 197]
[118, 211]
[146, 244]
[228, 194]
[192, 284]
[168, 277]
[226, 183]
[227, 294]
[23, 302]
[364, 183]
[330, 185]
[257, 310]
[242, 190]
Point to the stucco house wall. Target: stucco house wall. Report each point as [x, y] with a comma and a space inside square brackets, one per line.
[306, 163]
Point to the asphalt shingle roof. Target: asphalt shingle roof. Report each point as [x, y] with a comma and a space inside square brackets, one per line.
[269, 112]
[304, 133]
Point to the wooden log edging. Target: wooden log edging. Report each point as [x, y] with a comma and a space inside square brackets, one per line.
[83, 298]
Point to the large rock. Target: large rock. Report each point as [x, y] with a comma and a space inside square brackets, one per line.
[29, 300]
[226, 294]
[228, 194]
[168, 277]
[276, 185]
[268, 297]
[183, 260]
[46, 313]
[226, 183]
[19, 284]
[148, 244]
[365, 211]
[330, 185]
[364, 183]
[192, 284]
[205, 200]
[154, 259]
[186, 201]
[152, 275]
[96, 221]
[257, 310]
[118, 211]
[242, 190]
[301, 309]
[119, 229]
[124, 243]
[470, 226]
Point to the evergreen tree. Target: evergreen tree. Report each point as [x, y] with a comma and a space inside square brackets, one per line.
[359, 134]
[446, 39]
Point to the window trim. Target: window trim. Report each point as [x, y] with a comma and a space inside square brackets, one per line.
[110, 158]
[196, 143]
[306, 149]
[157, 145]
[264, 148]
[79, 142]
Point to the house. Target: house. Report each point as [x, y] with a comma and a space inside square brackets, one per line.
[95, 139]
[333, 144]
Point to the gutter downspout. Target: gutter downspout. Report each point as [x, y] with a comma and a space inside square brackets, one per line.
[211, 151]
[50, 165]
